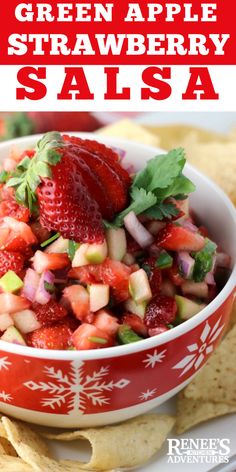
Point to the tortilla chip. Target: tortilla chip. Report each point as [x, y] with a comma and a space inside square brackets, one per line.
[14, 464]
[2, 431]
[216, 382]
[129, 130]
[216, 159]
[33, 451]
[172, 136]
[127, 444]
[192, 412]
[7, 448]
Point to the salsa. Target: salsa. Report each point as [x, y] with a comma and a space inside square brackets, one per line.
[93, 255]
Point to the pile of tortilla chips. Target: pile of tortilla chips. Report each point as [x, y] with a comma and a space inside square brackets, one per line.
[125, 445]
[134, 442]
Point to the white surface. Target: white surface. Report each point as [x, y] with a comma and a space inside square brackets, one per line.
[130, 76]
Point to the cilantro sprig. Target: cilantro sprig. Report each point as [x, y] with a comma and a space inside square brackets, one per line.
[29, 172]
[161, 178]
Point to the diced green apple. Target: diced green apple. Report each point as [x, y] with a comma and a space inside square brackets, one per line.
[10, 282]
[136, 308]
[187, 308]
[59, 246]
[139, 287]
[98, 296]
[26, 321]
[5, 321]
[80, 258]
[96, 253]
[12, 335]
[117, 244]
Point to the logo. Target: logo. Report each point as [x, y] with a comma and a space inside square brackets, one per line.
[198, 451]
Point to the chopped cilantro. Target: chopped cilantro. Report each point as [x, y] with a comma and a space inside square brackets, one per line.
[49, 287]
[50, 240]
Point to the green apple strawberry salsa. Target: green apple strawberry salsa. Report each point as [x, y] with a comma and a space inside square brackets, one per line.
[93, 255]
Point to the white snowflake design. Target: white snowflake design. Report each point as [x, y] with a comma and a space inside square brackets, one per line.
[152, 359]
[76, 388]
[6, 397]
[200, 350]
[148, 394]
[4, 363]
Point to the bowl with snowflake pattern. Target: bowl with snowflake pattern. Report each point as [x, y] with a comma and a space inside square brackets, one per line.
[102, 386]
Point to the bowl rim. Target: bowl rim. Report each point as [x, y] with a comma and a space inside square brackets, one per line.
[154, 341]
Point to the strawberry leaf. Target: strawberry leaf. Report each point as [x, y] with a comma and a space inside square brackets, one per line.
[29, 172]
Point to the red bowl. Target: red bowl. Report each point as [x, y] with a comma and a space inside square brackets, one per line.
[91, 388]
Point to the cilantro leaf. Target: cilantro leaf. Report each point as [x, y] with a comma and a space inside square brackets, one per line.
[160, 172]
[141, 200]
[180, 185]
[162, 210]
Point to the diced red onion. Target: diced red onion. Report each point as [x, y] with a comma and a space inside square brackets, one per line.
[209, 279]
[189, 225]
[186, 264]
[31, 283]
[137, 230]
[198, 289]
[42, 295]
[223, 260]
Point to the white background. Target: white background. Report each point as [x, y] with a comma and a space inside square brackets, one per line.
[223, 78]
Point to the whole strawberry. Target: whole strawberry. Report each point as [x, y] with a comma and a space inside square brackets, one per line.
[52, 182]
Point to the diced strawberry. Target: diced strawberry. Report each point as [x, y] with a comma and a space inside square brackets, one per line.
[49, 313]
[106, 322]
[158, 330]
[11, 261]
[132, 245]
[57, 336]
[10, 303]
[177, 238]
[160, 310]
[78, 299]
[135, 322]
[15, 235]
[88, 336]
[11, 208]
[42, 234]
[43, 261]
[154, 274]
[113, 273]
[174, 275]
